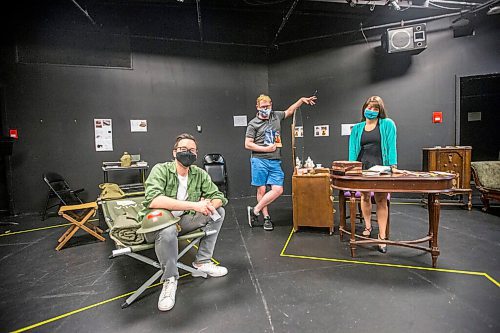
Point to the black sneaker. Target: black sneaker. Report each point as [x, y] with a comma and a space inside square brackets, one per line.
[268, 224]
[252, 217]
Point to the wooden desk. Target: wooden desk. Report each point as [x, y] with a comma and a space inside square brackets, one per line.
[432, 185]
[312, 201]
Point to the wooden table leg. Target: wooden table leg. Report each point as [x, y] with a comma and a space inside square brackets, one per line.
[352, 212]
[388, 224]
[342, 213]
[434, 209]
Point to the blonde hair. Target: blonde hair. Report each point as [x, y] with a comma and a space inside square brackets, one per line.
[263, 97]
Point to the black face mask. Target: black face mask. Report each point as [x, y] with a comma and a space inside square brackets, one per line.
[186, 158]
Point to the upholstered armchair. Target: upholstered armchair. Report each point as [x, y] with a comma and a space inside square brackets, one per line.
[486, 176]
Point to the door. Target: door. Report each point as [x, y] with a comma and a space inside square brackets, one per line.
[479, 116]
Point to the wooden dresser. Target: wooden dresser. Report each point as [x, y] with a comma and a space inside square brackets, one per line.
[312, 201]
[453, 159]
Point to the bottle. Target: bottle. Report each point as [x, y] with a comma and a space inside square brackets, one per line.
[126, 160]
[298, 163]
[309, 163]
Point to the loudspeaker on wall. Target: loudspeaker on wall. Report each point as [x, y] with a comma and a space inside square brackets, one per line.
[411, 38]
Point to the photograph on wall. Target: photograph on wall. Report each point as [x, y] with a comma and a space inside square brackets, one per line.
[345, 129]
[298, 132]
[322, 130]
[103, 131]
[138, 125]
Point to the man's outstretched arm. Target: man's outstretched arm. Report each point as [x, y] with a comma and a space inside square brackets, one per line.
[292, 108]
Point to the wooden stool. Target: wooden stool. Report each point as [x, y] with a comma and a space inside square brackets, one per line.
[78, 215]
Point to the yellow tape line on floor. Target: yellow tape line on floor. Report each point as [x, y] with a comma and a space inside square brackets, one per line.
[67, 314]
[8, 233]
[283, 254]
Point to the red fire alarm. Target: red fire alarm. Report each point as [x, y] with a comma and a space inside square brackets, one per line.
[437, 117]
[13, 133]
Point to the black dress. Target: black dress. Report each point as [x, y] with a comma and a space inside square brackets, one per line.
[371, 152]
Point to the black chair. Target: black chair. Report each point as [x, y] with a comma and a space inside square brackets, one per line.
[59, 194]
[215, 165]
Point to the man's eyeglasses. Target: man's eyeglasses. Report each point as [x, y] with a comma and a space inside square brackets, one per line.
[185, 149]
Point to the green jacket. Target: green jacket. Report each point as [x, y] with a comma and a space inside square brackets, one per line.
[163, 180]
[387, 138]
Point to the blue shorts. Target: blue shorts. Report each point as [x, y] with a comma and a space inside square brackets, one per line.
[266, 172]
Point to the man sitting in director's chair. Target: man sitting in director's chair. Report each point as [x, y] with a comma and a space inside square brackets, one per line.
[188, 193]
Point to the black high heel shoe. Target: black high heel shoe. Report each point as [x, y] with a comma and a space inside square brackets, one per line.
[382, 247]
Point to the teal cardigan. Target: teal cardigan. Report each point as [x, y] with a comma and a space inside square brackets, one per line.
[387, 138]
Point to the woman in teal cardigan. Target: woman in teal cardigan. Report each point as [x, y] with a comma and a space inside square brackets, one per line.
[373, 142]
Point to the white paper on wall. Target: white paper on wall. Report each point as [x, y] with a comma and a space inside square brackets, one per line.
[138, 125]
[103, 131]
[240, 121]
[473, 116]
[346, 129]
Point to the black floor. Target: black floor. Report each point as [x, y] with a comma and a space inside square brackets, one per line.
[277, 281]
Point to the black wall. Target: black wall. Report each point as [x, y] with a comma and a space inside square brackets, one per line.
[53, 108]
[176, 86]
[411, 86]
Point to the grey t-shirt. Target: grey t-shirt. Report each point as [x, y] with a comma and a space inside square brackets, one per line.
[265, 132]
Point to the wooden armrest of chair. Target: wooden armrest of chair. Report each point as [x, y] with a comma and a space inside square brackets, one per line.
[77, 207]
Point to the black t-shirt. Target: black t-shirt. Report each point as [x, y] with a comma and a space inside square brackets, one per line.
[371, 152]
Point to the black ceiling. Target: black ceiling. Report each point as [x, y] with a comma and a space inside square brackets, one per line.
[256, 23]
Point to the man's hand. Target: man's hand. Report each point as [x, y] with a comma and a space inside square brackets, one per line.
[309, 100]
[270, 148]
[204, 206]
[292, 108]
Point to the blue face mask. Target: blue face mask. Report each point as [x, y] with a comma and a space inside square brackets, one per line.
[369, 114]
[264, 113]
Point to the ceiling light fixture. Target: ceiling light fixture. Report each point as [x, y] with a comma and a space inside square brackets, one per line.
[351, 3]
[394, 4]
[494, 10]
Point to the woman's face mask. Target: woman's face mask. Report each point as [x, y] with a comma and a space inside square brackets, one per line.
[370, 114]
[186, 158]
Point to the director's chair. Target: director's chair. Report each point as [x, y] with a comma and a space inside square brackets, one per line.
[78, 215]
[112, 209]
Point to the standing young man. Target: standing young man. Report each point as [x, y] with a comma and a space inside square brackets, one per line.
[263, 139]
[189, 194]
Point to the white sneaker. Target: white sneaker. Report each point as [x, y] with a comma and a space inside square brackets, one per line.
[211, 269]
[167, 295]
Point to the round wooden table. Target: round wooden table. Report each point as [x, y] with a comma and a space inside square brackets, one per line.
[430, 183]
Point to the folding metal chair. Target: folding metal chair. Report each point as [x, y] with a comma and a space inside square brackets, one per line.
[215, 165]
[59, 194]
[111, 210]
